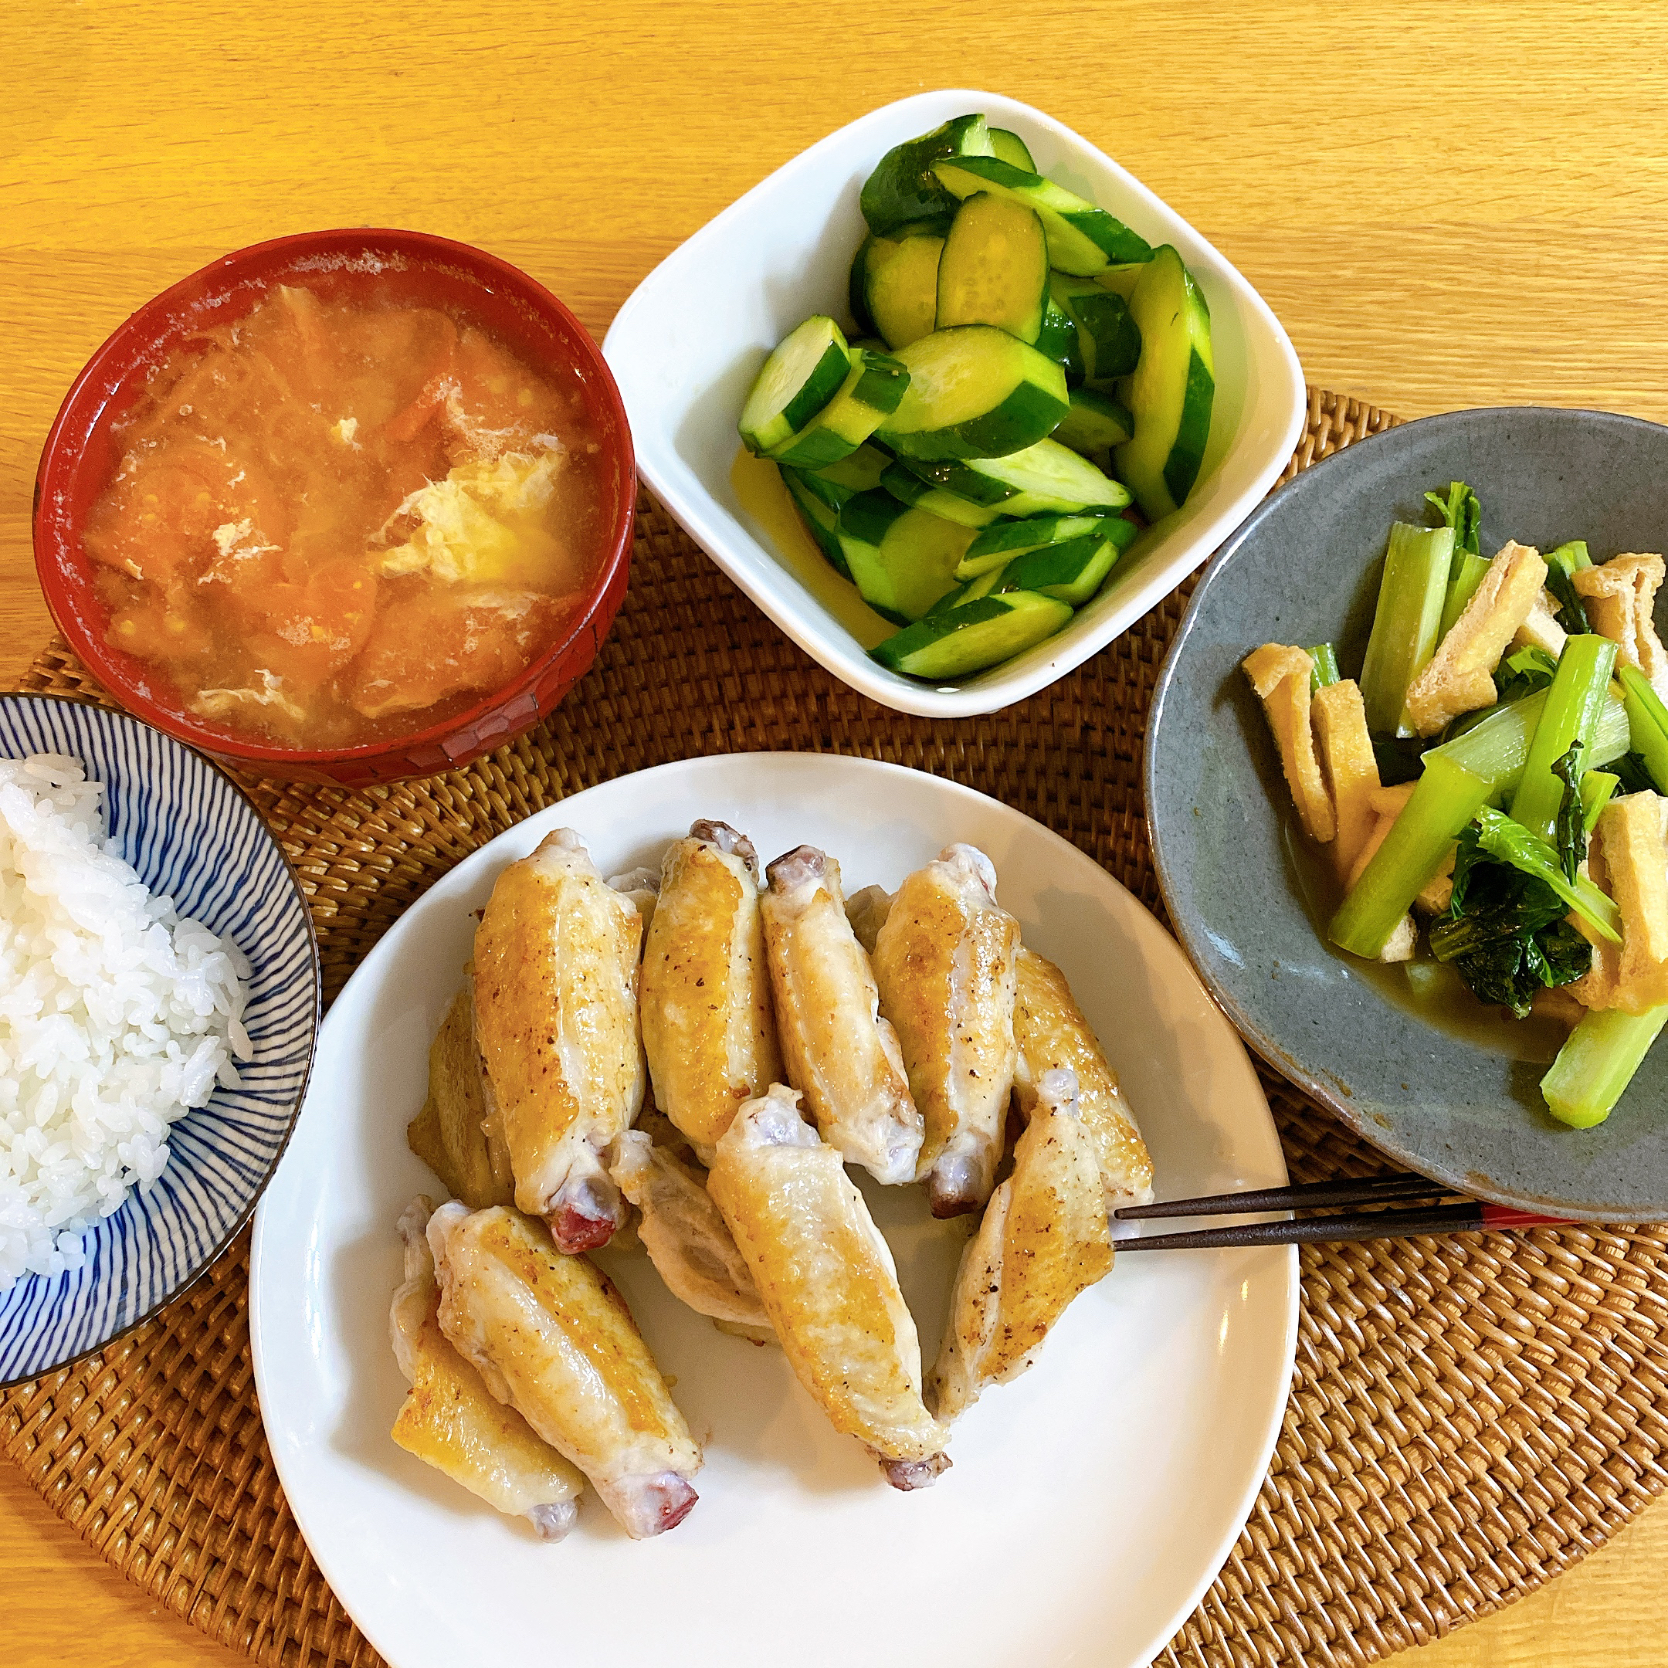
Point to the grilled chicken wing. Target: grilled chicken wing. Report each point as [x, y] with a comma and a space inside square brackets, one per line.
[837, 1049]
[828, 1283]
[707, 1024]
[454, 1134]
[553, 1339]
[683, 1232]
[1053, 1034]
[450, 1421]
[556, 1018]
[944, 962]
[1043, 1240]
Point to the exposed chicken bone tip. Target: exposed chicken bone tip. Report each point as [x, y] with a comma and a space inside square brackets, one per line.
[1057, 1090]
[727, 839]
[584, 1215]
[635, 880]
[971, 865]
[554, 1520]
[775, 1120]
[909, 1475]
[803, 866]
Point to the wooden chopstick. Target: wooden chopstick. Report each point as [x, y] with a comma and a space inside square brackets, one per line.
[1468, 1217]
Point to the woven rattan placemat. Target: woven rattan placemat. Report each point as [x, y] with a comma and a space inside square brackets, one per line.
[1469, 1416]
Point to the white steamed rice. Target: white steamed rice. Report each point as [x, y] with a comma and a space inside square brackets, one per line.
[116, 1017]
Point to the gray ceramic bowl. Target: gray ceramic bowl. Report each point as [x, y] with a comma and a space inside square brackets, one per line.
[1456, 1100]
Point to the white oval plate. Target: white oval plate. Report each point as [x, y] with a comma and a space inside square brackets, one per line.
[1091, 1503]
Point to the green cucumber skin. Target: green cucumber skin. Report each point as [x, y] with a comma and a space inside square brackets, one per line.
[1181, 468]
[959, 479]
[1082, 239]
[856, 284]
[1094, 423]
[1007, 146]
[1034, 401]
[1051, 477]
[1008, 539]
[1173, 389]
[1027, 415]
[807, 400]
[889, 548]
[873, 387]
[1058, 338]
[977, 635]
[1073, 572]
[811, 511]
[1110, 340]
[836, 482]
[908, 488]
[903, 189]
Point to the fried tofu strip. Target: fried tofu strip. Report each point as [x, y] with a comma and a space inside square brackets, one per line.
[1629, 856]
[455, 1133]
[1386, 805]
[1043, 1239]
[1620, 596]
[828, 1283]
[1053, 1035]
[708, 1029]
[1346, 751]
[556, 1019]
[451, 1421]
[1281, 677]
[944, 964]
[683, 1232]
[1459, 677]
[553, 1339]
[1540, 628]
[837, 1050]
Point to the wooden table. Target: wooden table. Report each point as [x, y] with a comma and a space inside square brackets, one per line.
[1447, 205]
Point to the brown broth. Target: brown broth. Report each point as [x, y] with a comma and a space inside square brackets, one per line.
[335, 523]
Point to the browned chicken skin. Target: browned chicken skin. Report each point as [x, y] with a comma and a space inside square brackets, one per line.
[708, 1029]
[944, 962]
[837, 1050]
[828, 1282]
[553, 1339]
[556, 1017]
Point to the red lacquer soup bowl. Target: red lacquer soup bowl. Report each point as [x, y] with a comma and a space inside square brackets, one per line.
[83, 451]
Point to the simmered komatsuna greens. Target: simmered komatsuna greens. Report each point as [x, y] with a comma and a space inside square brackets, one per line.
[1495, 693]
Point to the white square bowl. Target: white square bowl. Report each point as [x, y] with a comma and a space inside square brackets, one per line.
[691, 337]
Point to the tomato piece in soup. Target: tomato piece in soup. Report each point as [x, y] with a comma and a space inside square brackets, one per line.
[307, 633]
[499, 403]
[428, 645]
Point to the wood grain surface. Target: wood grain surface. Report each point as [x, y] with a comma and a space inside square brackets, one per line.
[1447, 205]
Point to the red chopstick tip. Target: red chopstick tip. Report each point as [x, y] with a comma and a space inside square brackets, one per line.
[1508, 1216]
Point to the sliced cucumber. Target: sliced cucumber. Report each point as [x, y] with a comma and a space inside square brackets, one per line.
[994, 268]
[908, 488]
[959, 479]
[1058, 339]
[1107, 337]
[1050, 477]
[903, 189]
[1121, 280]
[974, 392]
[980, 585]
[1095, 423]
[1171, 392]
[898, 278]
[820, 518]
[1073, 572]
[1082, 239]
[873, 388]
[902, 560]
[1006, 540]
[798, 379]
[836, 482]
[1009, 147]
[978, 634]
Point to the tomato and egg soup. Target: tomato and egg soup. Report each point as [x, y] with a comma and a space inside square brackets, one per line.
[335, 521]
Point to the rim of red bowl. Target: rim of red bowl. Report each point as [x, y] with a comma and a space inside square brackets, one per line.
[125, 351]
